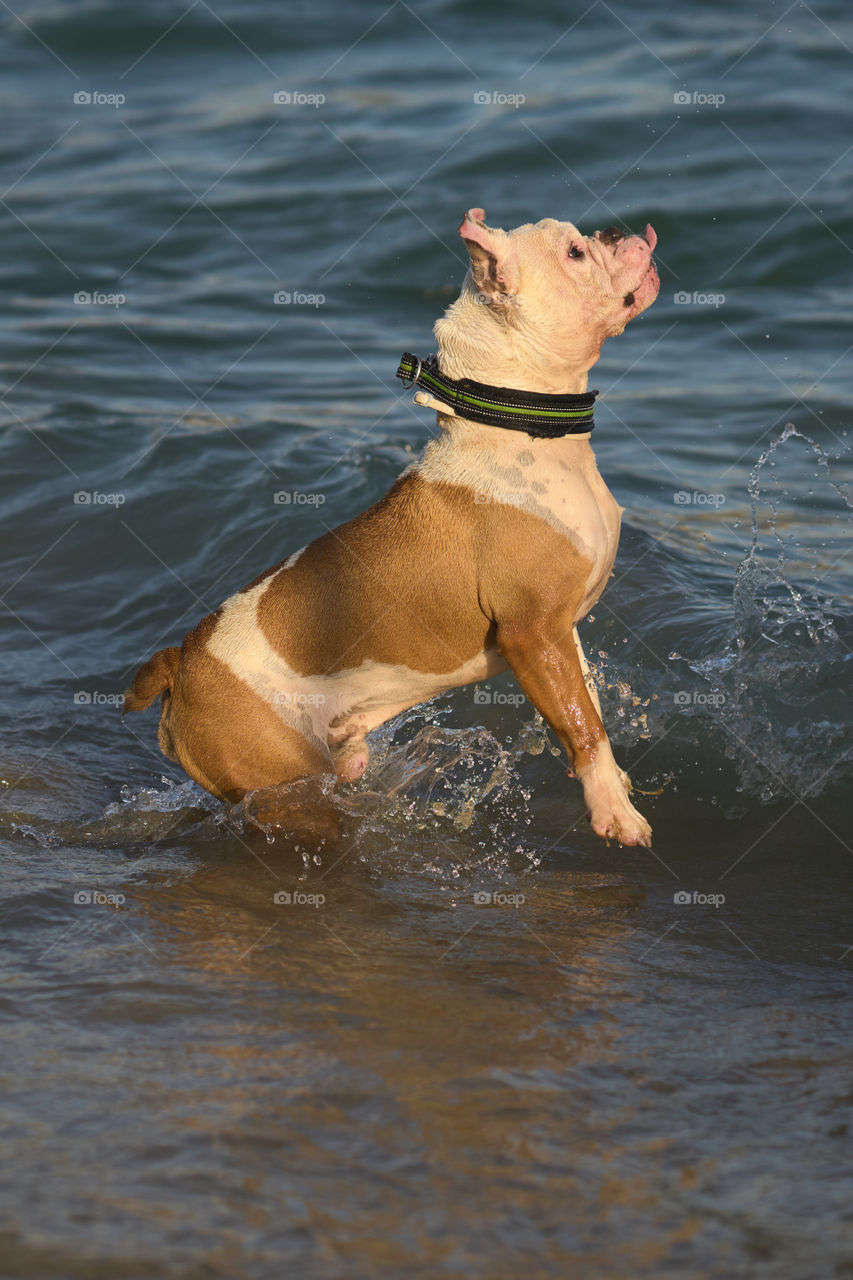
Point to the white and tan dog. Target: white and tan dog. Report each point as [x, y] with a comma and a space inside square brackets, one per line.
[483, 555]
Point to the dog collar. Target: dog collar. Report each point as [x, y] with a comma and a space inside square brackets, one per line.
[538, 415]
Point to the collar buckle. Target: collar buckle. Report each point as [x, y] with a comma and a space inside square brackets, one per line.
[410, 381]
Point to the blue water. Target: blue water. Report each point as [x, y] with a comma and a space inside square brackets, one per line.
[590, 1076]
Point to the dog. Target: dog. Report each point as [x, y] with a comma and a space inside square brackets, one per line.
[484, 554]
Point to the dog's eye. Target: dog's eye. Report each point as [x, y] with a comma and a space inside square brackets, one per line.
[576, 252]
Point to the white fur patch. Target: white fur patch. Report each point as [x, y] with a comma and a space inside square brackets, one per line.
[328, 710]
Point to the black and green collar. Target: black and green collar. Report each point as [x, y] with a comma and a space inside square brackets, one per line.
[538, 415]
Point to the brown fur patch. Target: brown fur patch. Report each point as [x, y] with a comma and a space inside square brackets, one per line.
[420, 580]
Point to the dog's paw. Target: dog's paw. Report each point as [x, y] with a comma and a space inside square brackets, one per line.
[621, 822]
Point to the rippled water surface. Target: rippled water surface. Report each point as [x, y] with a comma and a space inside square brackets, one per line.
[473, 1040]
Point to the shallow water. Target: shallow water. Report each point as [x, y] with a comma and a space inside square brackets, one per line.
[475, 1040]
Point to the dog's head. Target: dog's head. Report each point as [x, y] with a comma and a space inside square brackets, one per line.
[558, 289]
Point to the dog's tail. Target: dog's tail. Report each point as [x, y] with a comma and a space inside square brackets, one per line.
[153, 678]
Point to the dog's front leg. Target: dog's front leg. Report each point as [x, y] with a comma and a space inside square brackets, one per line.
[545, 658]
[593, 693]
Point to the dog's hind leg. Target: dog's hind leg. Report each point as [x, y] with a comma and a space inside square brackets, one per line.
[235, 744]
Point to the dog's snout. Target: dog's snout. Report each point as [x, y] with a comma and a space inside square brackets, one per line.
[610, 236]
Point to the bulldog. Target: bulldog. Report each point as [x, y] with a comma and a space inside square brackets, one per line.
[484, 555]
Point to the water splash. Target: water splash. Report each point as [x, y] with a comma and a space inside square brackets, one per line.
[765, 597]
[781, 681]
[446, 779]
[460, 785]
[436, 799]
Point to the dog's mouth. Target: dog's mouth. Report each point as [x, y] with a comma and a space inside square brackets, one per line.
[644, 294]
[631, 250]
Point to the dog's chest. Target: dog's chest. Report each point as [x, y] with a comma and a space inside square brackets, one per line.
[552, 480]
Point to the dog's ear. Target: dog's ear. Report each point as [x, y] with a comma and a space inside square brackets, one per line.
[492, 268]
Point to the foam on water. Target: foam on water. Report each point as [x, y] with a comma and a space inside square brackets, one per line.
[148, 816]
